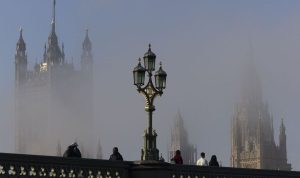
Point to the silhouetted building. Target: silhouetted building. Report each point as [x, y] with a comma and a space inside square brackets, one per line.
[253, 144]
[54, 101]
[180, 141]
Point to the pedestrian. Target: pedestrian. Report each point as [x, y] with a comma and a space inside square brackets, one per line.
[202, 161]
[213, 161]
[116, 156]
[72, 151]
[177, 158]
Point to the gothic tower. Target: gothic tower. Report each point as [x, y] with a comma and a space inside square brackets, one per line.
[252, 132]
[20, 61]
[179, 141]
[20, 80]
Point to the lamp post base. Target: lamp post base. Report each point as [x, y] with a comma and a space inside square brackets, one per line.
[150, 152]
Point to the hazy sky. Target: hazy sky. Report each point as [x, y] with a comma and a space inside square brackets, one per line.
[202, 45]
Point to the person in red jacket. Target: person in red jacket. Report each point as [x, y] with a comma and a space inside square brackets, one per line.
[177, 158]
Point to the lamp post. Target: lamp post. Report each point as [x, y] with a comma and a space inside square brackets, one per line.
[149, 91]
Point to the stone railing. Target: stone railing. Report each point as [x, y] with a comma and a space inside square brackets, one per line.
[30, 166]
[154, 170]
[15, 165]
[225, 172]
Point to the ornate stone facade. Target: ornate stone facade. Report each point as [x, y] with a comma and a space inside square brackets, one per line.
[180, 141]
[252, 132]
[54, 101]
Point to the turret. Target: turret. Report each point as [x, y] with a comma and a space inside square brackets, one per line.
[282, 140]
[233, 143]
[20, 60]
[87, 57]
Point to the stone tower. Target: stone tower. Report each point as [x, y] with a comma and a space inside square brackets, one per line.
[20, 61]
[54, 101]
[179, 141]
[252, 133]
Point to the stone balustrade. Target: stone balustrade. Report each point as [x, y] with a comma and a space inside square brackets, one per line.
[29, 166]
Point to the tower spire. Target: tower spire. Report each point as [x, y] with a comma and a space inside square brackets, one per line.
[282, 127]
[21, 46]
[53, 16]
[87, 45]
[282, 141]
[21, 32]
[54, 54]
[87, 57]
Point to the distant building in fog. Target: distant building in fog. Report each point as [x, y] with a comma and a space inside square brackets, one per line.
[253, 144]
[179, 141]
[99, 151]
[54, 102]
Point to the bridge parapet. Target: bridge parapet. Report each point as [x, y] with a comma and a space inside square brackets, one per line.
[30, 166]
[226, 172]
[150, 170]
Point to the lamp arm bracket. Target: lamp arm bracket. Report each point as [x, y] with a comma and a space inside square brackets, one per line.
[150, 93]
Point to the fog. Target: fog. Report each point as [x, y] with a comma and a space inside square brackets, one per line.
[203, 46]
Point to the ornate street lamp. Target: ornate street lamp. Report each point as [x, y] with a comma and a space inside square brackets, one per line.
[149, 152]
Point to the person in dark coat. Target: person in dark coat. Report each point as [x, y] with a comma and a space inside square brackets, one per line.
[116, 156]
[72, 151]
[177, 158]
[213, 161]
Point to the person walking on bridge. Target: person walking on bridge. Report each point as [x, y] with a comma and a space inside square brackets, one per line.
[177, 158]
[213, 161]
[116, 156]
[202, 161]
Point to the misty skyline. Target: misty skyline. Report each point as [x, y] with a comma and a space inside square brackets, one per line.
[202, 44]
